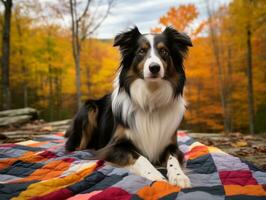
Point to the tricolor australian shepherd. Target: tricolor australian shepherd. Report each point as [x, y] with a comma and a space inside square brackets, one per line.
[135, 126]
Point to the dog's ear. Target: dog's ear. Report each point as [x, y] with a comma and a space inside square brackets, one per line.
[181, 40]
[127, 39]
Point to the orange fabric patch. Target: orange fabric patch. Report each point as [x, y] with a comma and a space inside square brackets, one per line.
[37, 144]
[46, 187]
[256, 190]
[7, 162]
[31, 157]
[157, 190]
[49, 171]
[197, 152]
[26, 157]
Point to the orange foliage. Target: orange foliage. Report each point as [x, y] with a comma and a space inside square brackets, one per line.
[180, 17]
[204, 111]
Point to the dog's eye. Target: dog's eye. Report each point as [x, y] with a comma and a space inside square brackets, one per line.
[142, 51]
[163, 52]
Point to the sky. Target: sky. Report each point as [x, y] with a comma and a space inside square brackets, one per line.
[145, 14]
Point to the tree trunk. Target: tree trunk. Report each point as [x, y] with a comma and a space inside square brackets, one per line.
[229, 89]
[250, 82]
[5, 54]
[78, 84]
[22, 61]
[76, 47]
[216, 52]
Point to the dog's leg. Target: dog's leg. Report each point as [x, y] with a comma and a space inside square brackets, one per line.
[143, 167]
[80, 132]
[172, 159]
[175, 174]
[122, 152]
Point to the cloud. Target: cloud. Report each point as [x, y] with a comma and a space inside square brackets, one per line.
[143, 13]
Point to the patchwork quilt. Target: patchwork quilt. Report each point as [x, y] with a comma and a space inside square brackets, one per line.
[41, 169]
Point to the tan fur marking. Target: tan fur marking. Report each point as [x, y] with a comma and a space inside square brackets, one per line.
[171, 74]
[153, 85]
[119, 132]
[141, 65]
[161, 45]
[145, 45]
[92, 123]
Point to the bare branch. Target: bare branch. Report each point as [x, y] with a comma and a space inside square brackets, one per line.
[4, 2]
[110, 4]
[85, 10]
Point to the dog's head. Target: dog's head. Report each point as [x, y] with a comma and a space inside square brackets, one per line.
[152, 59]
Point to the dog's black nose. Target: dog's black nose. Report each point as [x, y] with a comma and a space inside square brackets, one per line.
[154, 68]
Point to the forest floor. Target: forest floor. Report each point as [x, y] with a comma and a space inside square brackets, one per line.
[248, 147]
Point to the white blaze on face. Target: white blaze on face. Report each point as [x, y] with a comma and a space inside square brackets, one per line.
[152, 58]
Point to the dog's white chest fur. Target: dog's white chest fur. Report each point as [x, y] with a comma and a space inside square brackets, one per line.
[153, 131]
[156, 116]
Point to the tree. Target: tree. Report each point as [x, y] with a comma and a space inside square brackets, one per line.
[6, 52]
[19, 20]
[83, 26]
[181, 18]
[213, 33]
[248, 16]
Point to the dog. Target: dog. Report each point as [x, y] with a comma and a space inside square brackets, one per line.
[135, 126]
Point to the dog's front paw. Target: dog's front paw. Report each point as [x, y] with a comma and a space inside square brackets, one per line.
[144, 168]
[179, 179]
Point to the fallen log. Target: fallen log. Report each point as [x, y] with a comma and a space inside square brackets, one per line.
[6, 121]
[18, 112]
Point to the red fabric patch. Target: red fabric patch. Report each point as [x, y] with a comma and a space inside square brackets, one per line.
[56, 195]
[7, 145]
[241, 177]
[48, 154]
[99, 164]
[181, 134]
[112, 193]
[69, 160]
[60, 133]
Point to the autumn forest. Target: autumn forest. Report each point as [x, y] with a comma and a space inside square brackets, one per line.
[54, 66]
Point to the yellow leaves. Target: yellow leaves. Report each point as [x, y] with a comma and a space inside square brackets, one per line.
[241, 143]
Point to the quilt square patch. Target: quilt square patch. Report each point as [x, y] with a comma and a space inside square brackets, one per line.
[240, 177]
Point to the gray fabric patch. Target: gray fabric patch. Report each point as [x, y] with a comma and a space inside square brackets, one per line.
[106, 169]
[11, 153]
[198, 195]
[8, 178]
[184, 148]
[119, 171]
[204, 179]
[126, 183]
[259, 176]
[226, 162]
